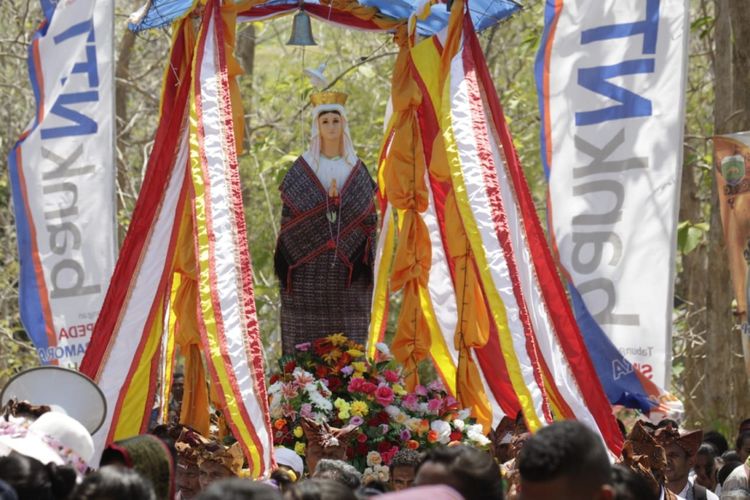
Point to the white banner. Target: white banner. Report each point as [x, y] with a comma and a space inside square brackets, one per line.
[62, 173]
[612, 85]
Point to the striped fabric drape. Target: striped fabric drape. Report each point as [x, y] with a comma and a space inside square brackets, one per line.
[508, 338]
[185, 258]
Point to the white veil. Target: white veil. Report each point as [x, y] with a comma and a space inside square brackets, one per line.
[312, 155]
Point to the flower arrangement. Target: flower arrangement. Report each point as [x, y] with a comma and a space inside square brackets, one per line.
[330, 380]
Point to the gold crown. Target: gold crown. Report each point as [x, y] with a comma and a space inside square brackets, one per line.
[318, 98]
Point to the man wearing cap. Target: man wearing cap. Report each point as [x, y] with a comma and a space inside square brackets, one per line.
[680, 448]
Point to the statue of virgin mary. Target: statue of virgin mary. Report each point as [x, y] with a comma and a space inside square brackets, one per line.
[325, 250]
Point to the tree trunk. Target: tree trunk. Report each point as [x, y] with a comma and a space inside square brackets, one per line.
[725, 390]
[245, 52]
[122, 72]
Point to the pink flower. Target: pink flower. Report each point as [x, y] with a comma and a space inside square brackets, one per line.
[433, 406]
[420, 390]
[289, 391]
[384, 395]
[355, 384]
[288, 411]
[405, 435]
[391, 376]
[411, 402]
[304, 346]
[436, 386]
[306, 410]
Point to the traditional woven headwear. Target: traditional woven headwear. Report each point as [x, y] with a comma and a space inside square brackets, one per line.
[689, 441]
[325, 436]
[319, 98]
[644, 455]
[189, 445]
[230, 457]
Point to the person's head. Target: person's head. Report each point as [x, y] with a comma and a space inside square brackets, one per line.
[31, 479]
[630, 486]
[239, 489]
[469, 471]
[218, 462]
[114, 483]
[149, 456]
[718, 440]
[331, 126]
[705, 466]
[565, 460]
[403, 469]
[178, 386]
[726, 469]
[319, 489]
[742, 445]
[338, 470]
[680, 448]
[679, 463]
[186, 479]
[744, 426]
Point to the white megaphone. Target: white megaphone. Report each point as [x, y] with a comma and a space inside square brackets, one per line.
[76, 394]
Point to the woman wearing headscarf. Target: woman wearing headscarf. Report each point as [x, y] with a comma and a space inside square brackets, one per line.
[325, 250]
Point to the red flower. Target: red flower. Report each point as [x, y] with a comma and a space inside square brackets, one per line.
[289, 366]
[362, 438]
[384, 446]
[369, 388]
[321, 371]
[334, 383]
[391, 376]
[355, 384]
[384, 395]
[361, 449]
[432, 436]
[387, 456]
[456, 436]
[274, 378]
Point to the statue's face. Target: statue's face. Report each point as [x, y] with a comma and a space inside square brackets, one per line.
[331, 127]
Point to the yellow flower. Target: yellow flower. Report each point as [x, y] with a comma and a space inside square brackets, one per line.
[359, 366]
[337, 339]
[344, 414]
[355, 353]
[332, 356]
[399, 390]
[401, 418]
[359, 408]
[298, 432]
[341, 404]
[299, 448]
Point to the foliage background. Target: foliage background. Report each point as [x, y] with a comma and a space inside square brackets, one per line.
[275, 96]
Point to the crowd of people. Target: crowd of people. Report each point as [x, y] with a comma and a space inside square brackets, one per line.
[46, 454]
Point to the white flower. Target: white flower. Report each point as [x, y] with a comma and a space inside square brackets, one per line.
[382, 472]
[464, 414]
[317, 399]
[275, 387]
[443, 430]
[422, 408]
[374, 458]
[459, 424]
[392, 411]
[476, 434]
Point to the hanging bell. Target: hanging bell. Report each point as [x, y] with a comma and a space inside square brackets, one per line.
[301, 30]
